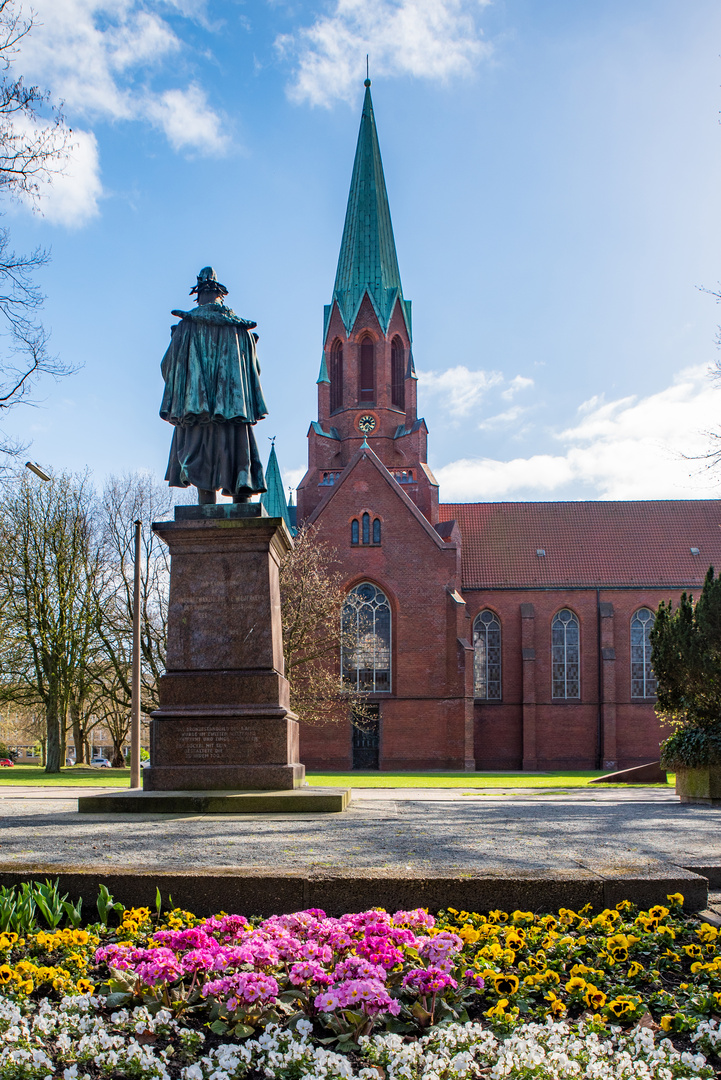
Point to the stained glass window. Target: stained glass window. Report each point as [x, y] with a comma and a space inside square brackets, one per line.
[366, 519]
[354, 531]
[487, 656]
[367, 388]
[336, 376]
[398, 381]
[565, 655]
[643, 681]
[366, 640]
[376, 530]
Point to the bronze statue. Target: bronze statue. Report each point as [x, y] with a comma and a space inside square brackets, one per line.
[213, 397]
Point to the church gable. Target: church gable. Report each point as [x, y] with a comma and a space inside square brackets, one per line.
[366, 487]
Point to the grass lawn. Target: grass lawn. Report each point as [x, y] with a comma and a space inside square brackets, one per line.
[35, 775]
[458, 780]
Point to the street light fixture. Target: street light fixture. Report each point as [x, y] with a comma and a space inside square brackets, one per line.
[35, 468]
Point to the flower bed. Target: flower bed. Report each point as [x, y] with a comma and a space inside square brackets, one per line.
[617, 994]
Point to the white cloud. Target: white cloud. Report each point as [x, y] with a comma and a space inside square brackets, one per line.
[73, 194]
[188, 121]
[431, 39]
[69, 191]
[633, 448]
[518, 382]
[87, 51]
[292, 477]
[460, 389]
[502, 419]
[98, 57]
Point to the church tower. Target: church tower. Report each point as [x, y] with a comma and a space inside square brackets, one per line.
[367, 381]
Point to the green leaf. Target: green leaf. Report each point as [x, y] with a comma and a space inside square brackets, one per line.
[397, 1027]
[243, 1031]
[117, 999]
[219, 1027]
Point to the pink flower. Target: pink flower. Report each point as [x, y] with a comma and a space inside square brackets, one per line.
[439, 947]
[357, 967]
[158, 966]
[243, 987]
[418, 918]
[474, 979]
[327, 1002]
[307, 971]
[428, 980]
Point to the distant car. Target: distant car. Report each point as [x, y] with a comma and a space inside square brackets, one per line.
[102, 762]
[6, 762]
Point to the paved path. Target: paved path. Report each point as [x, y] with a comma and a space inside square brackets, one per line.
[384, 829]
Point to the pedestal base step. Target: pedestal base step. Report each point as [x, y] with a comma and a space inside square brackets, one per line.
[299, 801]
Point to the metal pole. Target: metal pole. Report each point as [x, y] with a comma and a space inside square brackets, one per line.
[135, 688]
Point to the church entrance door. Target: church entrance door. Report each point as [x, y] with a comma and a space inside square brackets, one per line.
[366, 738]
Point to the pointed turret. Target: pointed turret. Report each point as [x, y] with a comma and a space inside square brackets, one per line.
[368, 260]
[367, 392]
[274, 498]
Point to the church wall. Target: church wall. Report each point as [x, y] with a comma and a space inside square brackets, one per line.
[423, 718]
[529, 728]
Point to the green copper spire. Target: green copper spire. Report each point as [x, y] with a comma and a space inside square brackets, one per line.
[274, 498]
[368, 260]
[323, 374]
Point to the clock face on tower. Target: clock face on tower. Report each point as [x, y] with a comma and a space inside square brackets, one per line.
[367, 423]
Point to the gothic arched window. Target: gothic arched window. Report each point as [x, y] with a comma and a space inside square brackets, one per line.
[354, 531]
[366, 519]
[643, 680]
[376, 530]
[487, 656]
[398, 374]
[565, 655]
[366, 374]
[336, 376]
[366, 640]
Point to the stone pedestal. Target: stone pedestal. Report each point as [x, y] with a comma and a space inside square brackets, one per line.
[224, 720]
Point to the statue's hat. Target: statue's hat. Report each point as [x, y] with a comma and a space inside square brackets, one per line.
[208, 282]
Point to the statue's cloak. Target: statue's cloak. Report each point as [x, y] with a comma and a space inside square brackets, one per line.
[212, 397]
[211, 370]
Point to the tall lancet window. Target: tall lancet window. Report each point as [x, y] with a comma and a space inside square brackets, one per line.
[336, 376]
[565, 660]
[643, 680]
[398, 374]
[487, 656]
[366, 640]
[367, 381]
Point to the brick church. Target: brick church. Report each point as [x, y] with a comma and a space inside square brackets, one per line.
[487, 635]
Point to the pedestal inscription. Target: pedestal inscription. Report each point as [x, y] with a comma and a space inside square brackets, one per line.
[224, 720]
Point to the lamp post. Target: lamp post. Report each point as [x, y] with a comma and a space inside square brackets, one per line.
[35, 468]
[135, 685]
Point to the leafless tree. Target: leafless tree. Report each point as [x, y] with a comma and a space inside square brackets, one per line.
[312, 595]
[49, 567]
[34, 145]
[126, 499]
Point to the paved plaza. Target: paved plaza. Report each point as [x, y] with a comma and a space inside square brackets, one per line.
[384, 829]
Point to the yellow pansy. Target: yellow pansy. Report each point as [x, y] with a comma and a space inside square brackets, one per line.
[498, 1010]
[506, 984]
[594, 998]
[556, 1007]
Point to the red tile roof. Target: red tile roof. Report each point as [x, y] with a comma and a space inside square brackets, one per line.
[587, 543]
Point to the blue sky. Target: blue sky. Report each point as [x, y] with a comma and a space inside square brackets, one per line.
[553, 169]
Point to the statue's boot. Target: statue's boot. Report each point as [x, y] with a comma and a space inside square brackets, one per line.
[206, 495]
